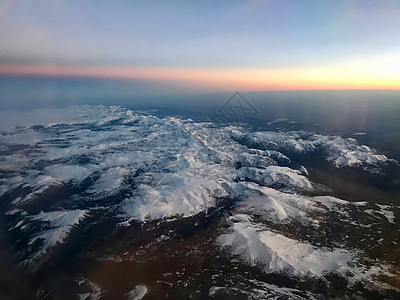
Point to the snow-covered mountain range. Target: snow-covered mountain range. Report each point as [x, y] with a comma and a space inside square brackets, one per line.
[59, 166]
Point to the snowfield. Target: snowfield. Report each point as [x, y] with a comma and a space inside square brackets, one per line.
[142, 168]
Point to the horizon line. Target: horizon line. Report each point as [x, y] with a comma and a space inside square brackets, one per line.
[213, 80]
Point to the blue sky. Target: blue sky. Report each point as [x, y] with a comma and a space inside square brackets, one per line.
[196, 33]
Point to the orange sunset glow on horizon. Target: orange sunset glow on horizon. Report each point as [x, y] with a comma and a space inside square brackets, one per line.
[368, 74]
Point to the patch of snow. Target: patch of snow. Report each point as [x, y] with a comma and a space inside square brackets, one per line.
[341, 152]
[138, 292]
[279, 120]
[173, 196]
[276, 175]
[94, 293]
[385, 211]
[277, 253]
[110, 181]
[60, 223]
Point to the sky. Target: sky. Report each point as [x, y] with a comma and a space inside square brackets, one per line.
[207, 45]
